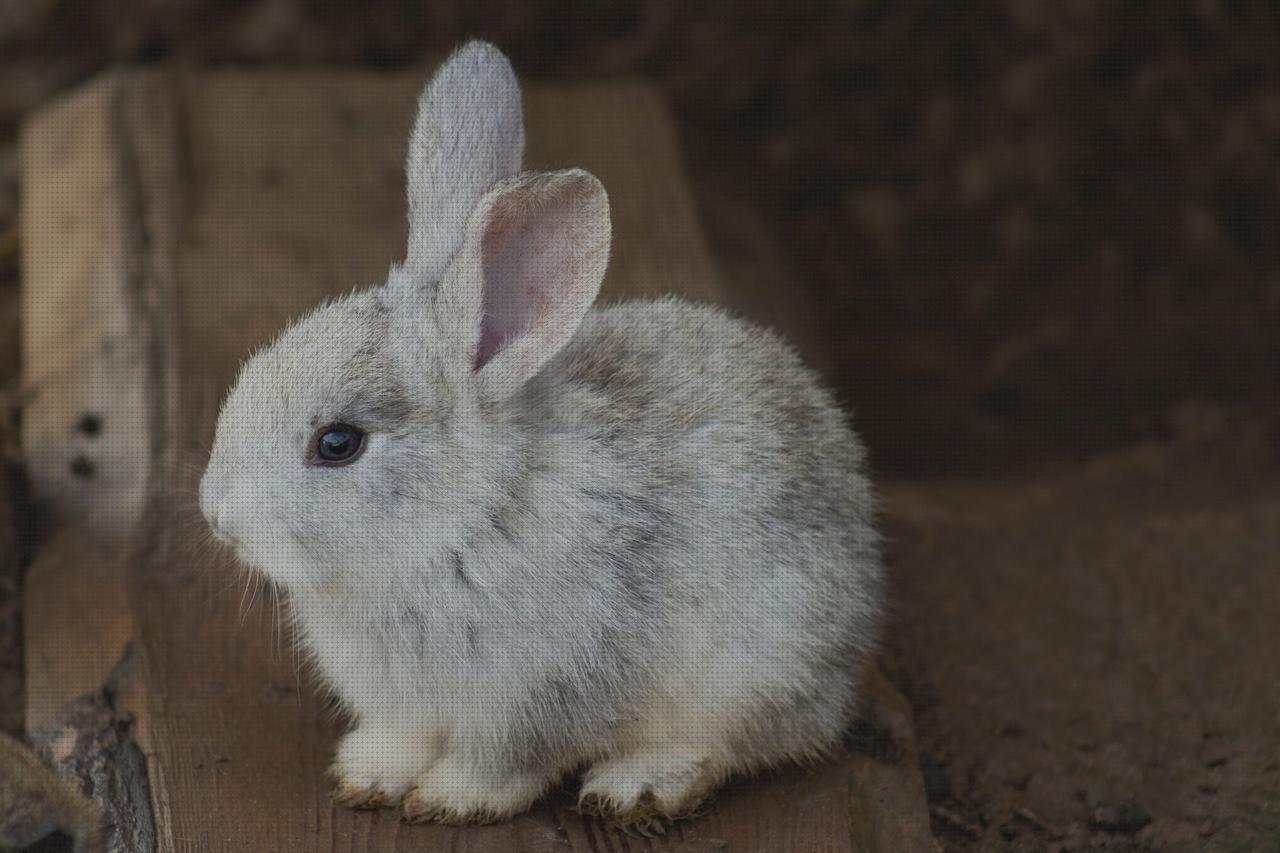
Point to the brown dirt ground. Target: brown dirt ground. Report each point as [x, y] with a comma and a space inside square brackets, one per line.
[1043, 233]
[1100, 634]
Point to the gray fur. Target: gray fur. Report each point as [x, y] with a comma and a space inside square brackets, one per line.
[468, 135]
[638, 539]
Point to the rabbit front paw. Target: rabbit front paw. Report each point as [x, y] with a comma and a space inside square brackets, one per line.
[647, 786]
[454, 791]
[376, 766]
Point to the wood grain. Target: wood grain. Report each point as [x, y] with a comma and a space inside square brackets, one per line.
[242, 199]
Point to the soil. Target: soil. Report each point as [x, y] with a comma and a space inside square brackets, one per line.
[1092, 651]
[1043, 237]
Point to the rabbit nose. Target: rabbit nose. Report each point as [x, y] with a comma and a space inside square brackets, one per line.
[218, 502]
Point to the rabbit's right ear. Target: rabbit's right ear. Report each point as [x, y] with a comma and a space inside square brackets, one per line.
[468, 136]
[530, 266]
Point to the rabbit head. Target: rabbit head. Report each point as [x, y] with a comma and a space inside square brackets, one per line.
[373, 433]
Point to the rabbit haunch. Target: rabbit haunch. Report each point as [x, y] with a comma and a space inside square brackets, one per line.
[635, 540]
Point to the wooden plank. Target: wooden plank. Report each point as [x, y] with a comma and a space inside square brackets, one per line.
[89, 742]
[233, 201]
[82, 355]
[86, 439]
[76, 587]
[38, 800]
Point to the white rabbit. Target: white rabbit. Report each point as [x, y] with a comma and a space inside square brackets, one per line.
[522, 537]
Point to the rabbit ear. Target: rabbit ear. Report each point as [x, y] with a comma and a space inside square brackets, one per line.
[469, 135]
[530, 266]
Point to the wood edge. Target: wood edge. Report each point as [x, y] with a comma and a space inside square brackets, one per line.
[889, 808]
[95, 721]
[153, 150]
[89, 742]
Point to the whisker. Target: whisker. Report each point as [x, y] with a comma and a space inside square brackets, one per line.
[243, 593]
[277, 629]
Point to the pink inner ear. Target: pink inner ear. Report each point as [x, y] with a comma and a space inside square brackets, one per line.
[528, 258]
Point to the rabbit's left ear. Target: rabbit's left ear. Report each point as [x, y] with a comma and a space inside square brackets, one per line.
[468, 136]
[530, 266]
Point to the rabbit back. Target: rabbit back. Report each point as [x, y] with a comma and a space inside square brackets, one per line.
[741, 552]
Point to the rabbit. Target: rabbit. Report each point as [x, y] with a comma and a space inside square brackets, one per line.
[522, 536]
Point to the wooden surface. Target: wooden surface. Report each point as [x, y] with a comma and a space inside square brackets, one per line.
[179, 220]
[90, 742]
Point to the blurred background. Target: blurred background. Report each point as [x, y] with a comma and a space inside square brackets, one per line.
[1036, 232]
[1036, 226]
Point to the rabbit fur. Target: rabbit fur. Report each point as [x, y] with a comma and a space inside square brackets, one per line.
[635, 539]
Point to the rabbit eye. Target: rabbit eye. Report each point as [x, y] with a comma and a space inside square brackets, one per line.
[335, 444]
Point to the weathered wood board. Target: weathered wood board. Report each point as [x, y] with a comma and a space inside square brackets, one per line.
[173, 222]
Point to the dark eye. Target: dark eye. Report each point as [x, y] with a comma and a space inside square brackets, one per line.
[335, 444]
